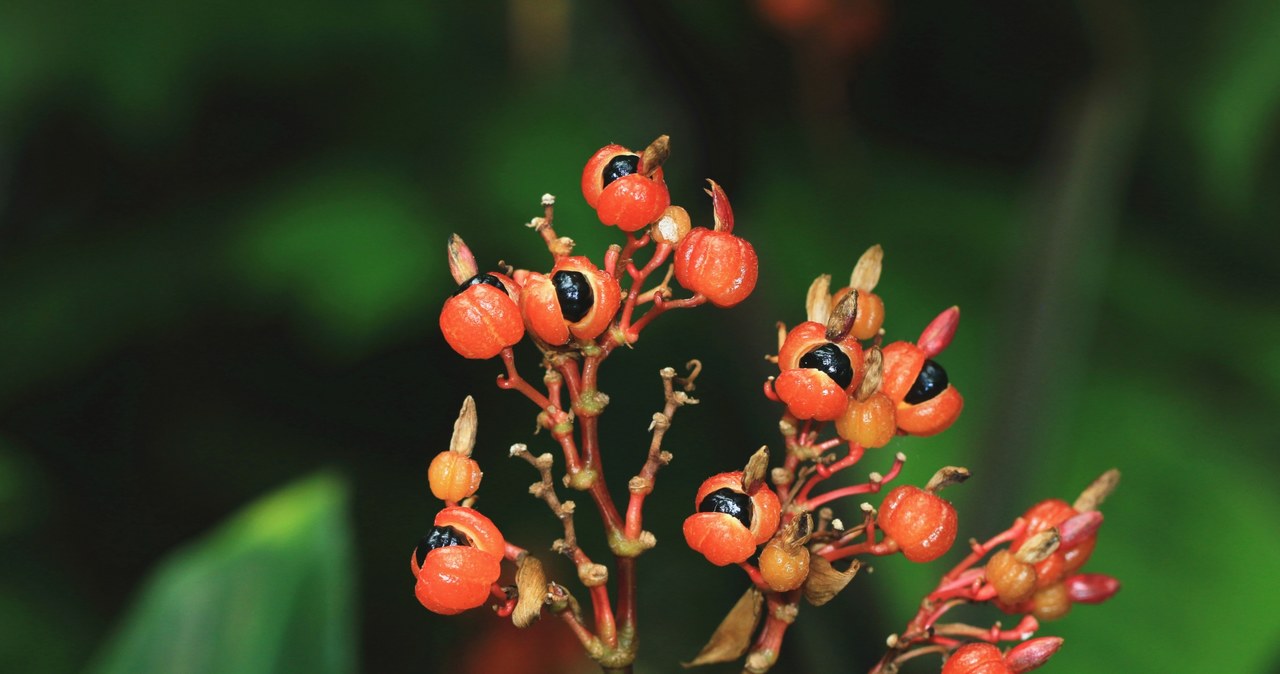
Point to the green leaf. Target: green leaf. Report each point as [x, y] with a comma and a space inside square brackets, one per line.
[268, 591]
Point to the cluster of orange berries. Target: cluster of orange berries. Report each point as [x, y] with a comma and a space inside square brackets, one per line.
[577, 301]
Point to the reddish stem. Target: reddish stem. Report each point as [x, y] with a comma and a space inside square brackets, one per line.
[853, 490]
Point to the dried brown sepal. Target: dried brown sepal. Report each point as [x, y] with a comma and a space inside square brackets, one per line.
[531, 584]
[593, 575]
[817, 303]
[733, 636]
[655, 155]
[824, 582]
[1098, 491]
[796, 532]
[945, 477]
[873, 366]
[462, 264]
[840, 322]
[866, 273]
[464, 429]
[1038, 548]
[672, 226]
[757, 467]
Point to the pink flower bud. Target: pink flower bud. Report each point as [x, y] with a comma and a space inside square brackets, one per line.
[1028, 655]
[1091, 588]
[1078, 528]
[937, 335]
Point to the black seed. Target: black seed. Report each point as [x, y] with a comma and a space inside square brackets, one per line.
[621, 165]
[487, 279]
[729, 502]
[439, 537]
[931, 381]
[575, 294]
[830, 359]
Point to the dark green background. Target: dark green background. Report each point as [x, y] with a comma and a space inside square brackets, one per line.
[222, 233]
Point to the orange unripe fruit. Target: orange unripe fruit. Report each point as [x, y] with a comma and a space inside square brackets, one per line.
[921, 523]
[1013, 580]
[1051, 603]
[784, 566]
[976, 658]
[453, 476]
[870, 423]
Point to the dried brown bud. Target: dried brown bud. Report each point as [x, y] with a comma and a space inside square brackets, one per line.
[655, 154]
[733, 636]
[817, 303]
[755, 470]
[1038, 548]
[1098, 491]
[945, 477]
[824, 582]
[531, 584]
[462, 264]
[866, 273]
[464, 429]
[843, 314]
[873, 367]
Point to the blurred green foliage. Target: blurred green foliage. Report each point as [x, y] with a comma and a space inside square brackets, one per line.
[221, 248]
[269, 591]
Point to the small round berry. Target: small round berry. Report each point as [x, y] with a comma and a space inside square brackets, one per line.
[784, 566]
[453, 476]
[976, 658]
[714, 262]
[623, 192]
[1051, 603]
[730, 523]
[1013, 580]
[1042, 516]
[870, 423]
[923, 524]
[576, 300]
[481, 317]
[672, 226]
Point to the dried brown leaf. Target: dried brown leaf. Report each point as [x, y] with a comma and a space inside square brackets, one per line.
[825, 582]
[732, 638]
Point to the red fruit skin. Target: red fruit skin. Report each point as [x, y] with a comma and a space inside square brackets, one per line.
[482, 320]
[922, 524]
[976, 658]
[456, 578]
[540, 306]
[482, 532]
[717, 264]
[719, 537]
[630, 202]
[766, 509]
[932, 416]
[902, 364]
[811, 394]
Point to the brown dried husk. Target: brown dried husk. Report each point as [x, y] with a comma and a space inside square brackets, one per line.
[732, 638]
[1097, 491]
[464, 429]
[531, 584]
[824, 582]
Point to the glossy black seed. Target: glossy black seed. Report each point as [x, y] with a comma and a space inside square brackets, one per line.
[830, 359]
[729, 502]
[574, 293]
[439, 537]
[931, 381]
[487, 279]
[621, 165]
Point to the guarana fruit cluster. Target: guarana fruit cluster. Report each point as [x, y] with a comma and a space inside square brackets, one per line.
[844, 391]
